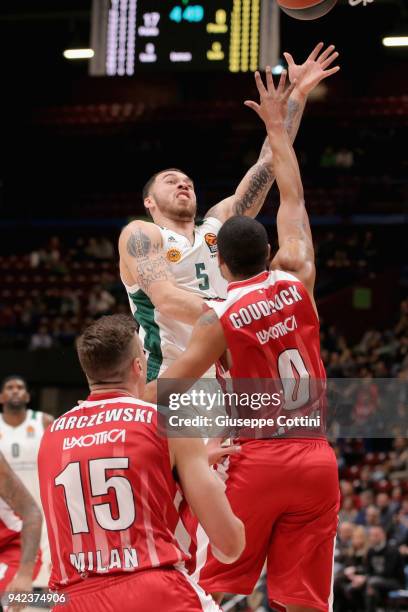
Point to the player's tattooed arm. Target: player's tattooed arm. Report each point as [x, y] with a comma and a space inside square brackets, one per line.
[208, 318]
[143, 262]
[149, 261]
[14, 493]
[254, 187]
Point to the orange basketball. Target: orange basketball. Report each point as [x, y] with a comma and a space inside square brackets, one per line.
[306, 9]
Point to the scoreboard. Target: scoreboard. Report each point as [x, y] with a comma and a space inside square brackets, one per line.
[132, 36]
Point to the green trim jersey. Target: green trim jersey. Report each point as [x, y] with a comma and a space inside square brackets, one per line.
[195, 268]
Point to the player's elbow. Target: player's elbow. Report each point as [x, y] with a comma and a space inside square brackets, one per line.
[232, 543]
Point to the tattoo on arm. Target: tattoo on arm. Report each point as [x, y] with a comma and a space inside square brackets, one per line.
[261, 174]
[13, 492]
[259, 185]
[293, 117]
[292, 122]
[266, 150]
[139, 244]
[151, 264]
[207, 319]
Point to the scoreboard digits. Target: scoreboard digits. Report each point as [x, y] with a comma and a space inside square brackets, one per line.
[131, 36]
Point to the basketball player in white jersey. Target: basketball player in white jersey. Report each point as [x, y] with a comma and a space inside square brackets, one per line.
[21, 430]
[20, 529]
[170, 266]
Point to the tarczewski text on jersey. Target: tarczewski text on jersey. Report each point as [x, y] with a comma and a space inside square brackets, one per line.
[108, 492]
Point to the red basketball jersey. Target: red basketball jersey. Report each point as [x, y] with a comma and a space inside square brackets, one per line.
[273, 334]
[108, 491]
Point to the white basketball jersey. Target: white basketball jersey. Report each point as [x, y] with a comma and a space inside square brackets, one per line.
[195, 268]
[20, 445]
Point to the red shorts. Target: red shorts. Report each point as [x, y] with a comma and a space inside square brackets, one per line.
[167, 590]
[286, 492]
[9, 563]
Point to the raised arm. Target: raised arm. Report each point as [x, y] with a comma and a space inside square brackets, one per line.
[143, 261]
[251, 192]
[295, 252]
[205, 494]
[14, 493]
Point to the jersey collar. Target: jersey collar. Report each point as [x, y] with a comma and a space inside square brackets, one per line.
[93, 397]
[246, 282]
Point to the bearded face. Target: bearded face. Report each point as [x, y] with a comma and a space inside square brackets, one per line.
[14, 394]
[172, 194]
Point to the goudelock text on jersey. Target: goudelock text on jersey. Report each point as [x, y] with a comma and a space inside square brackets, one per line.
[273, 335]
[108, 491]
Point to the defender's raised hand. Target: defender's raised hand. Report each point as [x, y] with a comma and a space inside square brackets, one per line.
[314, 69]
[273, 102]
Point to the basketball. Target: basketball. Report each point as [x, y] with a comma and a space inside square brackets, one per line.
[306, 9]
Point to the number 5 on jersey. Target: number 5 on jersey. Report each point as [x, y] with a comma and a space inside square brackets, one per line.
[202, 275]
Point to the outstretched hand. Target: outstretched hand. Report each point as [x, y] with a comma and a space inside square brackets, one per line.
[314, 69]
[273, 102]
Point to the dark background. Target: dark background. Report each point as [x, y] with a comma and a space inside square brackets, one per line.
[76, 150]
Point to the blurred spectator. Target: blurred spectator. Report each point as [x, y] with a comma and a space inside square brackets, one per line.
[348, 511]
[106, 250]
[41, 339]
[70, 304]
[385, 569]
[399, 459]
[99, 249]
[372, 517]
[343, 542]
[344, 158]
[348, 588]
[366, 403]
[366, 499]
[383, 503]
[365, 477]
[398, 532]
[100, 301]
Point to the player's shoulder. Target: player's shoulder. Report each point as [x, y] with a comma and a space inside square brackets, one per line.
[47, 419]
[282, 275]
[208, 224]
[140, 228]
